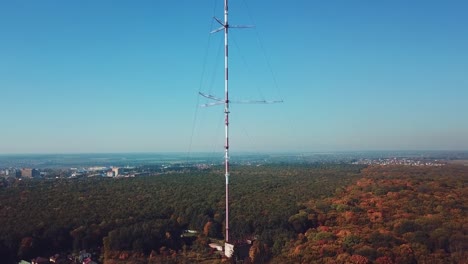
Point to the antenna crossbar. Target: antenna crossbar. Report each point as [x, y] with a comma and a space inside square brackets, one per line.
[209, 96]
[220, 101]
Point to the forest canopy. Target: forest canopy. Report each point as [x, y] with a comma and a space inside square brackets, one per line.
[43, 217]
[333, 213]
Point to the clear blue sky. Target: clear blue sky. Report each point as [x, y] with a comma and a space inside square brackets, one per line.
[123, 76]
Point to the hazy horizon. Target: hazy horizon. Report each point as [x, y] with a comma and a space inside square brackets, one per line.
[243, 152]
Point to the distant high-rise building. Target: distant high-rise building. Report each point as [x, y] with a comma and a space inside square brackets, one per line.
[29, 173]
[116, 171]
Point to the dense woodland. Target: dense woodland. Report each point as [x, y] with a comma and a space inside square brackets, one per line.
[390, 215]
[297, 214]
[148, 214]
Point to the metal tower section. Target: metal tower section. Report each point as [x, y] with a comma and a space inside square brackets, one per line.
[218, 101]
[224, 26]
[226, 114]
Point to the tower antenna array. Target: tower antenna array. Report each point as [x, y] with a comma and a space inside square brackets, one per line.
[218, 101]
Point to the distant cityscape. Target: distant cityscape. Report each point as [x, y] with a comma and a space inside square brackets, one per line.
[401, 161]
[97, 171]
[146, 164]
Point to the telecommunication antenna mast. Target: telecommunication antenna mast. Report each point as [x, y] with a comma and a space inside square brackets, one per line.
[218, 101]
